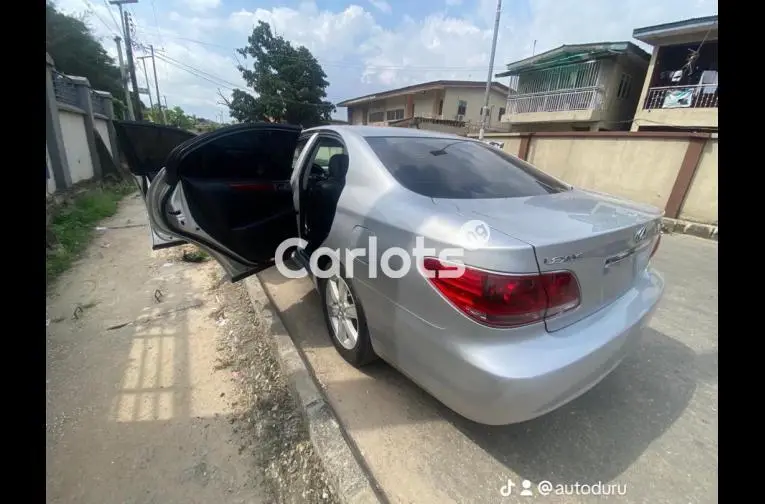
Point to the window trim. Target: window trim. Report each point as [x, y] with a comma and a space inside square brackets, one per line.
[464, 108]
[395, 113]
[625, 86]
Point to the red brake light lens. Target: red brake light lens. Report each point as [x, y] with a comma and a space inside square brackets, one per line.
[501, 300]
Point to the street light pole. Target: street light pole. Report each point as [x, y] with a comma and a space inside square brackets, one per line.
[485, 109]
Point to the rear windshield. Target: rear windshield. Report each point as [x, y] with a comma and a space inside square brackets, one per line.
[460, 169]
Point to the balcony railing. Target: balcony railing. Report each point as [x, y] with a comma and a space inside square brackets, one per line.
[668, 97]
[556, 101]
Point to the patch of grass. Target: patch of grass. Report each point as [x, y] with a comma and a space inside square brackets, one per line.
[195, 256]
[72, 224]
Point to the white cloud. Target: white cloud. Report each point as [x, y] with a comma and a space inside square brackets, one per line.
[381, 5]
[361, 56]
[453, 2]
[201, 5]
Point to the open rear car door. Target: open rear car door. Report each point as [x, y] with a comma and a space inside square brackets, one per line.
[229, 192]
[145, 147]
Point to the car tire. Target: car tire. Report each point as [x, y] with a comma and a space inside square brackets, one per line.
[356, 351]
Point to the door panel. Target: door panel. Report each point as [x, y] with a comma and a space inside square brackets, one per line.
[145, 147]
[234, 192]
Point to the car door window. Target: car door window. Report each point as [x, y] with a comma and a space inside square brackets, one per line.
[299, 150]
[326, 147]
[266, 155]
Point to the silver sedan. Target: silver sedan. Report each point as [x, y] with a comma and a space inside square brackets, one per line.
[499, 289]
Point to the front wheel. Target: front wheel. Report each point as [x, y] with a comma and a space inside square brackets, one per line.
[345, 320]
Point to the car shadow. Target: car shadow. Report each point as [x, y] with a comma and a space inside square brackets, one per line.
[597, 436]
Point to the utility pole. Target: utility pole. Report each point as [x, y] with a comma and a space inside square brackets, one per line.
[119, 3]
[129, 52]
[485, 109]
[123, 76]
[146, 76]
[131, 67]
[156, 83]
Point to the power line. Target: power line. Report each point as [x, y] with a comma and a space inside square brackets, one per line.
[164, 55]
[192, 72]
[92, 10]
[198, 73]
[342, 64]
[116, 24]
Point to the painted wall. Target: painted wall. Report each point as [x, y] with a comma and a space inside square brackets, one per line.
[639, 168]
[76, 144]
[426, 104]
[642, 169]
[103, 130]
[51, 185]
[701, 201]
[474, 98]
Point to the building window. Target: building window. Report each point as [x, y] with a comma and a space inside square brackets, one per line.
[461, 107]
[625, 86]
[501, 113]
[440, 107]
[377, 116]
[393, 115]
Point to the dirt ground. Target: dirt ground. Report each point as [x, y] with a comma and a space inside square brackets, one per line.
[162, 386]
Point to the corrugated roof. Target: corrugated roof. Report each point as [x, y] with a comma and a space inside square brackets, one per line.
[569, 54]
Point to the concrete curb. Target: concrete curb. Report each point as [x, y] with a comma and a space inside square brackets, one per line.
[692, 228]
[352, 483]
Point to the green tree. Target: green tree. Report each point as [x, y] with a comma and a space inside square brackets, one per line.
[175, 117]
[75, 51]
[289, 83]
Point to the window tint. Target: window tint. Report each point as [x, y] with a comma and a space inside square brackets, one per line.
[147, 146]
[247, 153]
[459, 169]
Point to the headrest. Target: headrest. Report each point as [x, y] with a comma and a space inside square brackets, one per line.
[338, 166]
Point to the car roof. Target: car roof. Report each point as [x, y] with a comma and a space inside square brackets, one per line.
[383, 131]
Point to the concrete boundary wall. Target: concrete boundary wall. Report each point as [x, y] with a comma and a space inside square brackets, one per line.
[75, 115]
[675, 171]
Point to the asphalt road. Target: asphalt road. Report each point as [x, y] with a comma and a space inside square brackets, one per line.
[649, 429]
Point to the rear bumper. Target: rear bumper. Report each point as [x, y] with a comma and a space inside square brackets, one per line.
[509, 380]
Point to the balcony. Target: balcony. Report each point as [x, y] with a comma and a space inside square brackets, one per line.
[684, 106]
[565, 105]
[668, 97]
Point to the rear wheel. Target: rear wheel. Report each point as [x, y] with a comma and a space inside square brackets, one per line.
[345, 320]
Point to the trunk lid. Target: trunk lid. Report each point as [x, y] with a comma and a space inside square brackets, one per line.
[605, 241]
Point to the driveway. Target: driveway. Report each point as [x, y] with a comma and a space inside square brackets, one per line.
[649, 429]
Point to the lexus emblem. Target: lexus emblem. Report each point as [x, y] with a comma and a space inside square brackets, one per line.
[640, 234]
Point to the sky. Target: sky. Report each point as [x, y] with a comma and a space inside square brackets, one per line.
[364, 46]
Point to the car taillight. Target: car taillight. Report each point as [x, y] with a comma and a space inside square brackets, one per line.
[655, 246]
[501, 300]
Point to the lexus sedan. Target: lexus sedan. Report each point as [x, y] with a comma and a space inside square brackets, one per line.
[550, 291]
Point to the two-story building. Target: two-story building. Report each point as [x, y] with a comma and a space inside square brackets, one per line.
[680, 89]
[451, 101]
[582, 87]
